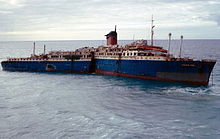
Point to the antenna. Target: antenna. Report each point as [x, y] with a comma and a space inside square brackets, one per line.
[115, 27]
[181, 43]
[152, 31]
[34, 50]
[169, 42]
[133, 36]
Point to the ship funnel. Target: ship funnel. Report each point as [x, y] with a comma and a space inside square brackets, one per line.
[111, 37]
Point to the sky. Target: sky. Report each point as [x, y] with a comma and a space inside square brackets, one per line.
[28, 20]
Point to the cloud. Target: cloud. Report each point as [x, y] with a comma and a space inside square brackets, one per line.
[217, 19]
[11, 4]
[49, 17]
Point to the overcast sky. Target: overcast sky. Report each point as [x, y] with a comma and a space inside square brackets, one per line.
[92, 19]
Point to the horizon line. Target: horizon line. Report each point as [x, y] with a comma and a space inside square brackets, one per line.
[105, 40]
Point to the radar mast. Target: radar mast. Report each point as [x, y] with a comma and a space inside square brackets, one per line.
[152, 31]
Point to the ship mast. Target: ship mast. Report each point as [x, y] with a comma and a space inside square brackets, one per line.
[44, 49]
[152, 31]
[169, 43]
[34, 50]
[181, 44]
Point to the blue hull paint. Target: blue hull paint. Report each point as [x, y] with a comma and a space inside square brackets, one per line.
[42, 66]
[147, 67]
[197, 72]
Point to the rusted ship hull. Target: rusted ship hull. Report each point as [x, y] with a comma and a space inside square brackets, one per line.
[48, 66]
[190, 72]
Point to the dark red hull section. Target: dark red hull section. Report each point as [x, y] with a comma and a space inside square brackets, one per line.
[150, 78]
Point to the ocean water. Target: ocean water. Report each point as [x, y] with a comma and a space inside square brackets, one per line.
[55, 105]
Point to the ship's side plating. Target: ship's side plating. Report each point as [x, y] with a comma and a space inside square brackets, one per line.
[195, 72]
[48, 66]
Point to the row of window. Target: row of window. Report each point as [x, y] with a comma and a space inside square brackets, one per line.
[128, 54]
